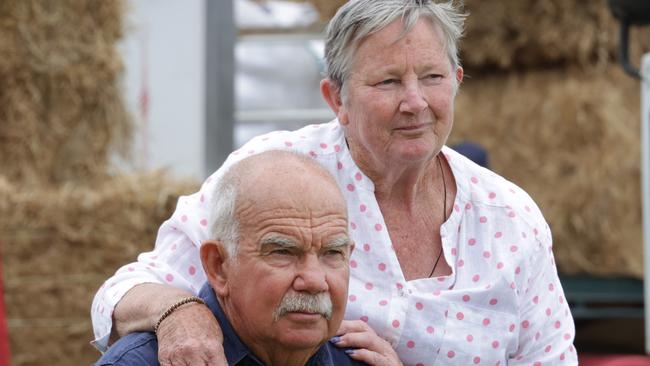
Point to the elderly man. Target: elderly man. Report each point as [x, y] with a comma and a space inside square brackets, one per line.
[277, 267]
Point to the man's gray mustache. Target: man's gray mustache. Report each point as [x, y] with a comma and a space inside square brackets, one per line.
[306, 303]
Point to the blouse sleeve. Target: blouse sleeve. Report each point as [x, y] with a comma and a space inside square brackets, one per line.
[546, 331]
[174, 260]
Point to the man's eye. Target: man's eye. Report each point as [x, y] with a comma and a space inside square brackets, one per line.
[334, 253]
[434, 77]
[281, 252]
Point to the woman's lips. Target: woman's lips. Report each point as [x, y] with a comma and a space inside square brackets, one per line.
[414, 128]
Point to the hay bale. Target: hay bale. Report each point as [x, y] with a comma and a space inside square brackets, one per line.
[61, 110]
[540, 34]
[506, 34]
[52, 343]
[571, 139]
[60, 244]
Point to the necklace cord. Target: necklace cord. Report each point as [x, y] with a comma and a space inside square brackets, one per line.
[444, 210]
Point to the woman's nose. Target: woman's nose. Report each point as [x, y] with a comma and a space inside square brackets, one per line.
[413, 100]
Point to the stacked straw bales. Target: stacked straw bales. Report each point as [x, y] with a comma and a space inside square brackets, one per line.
[543, 95]
[571, 140]
[67, 223]
[529, 34]
[546, 97]
[62, 110]
[60, 244]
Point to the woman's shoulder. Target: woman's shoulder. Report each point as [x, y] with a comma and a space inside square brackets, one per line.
[314, 140]
[481, 186]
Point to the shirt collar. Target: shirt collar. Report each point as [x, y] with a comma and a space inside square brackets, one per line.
[236, 351]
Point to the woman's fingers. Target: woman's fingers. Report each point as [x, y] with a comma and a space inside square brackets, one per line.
[373, 358]
[364, 344]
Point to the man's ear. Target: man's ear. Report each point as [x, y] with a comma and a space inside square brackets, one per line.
[332, 95]
[213, 259]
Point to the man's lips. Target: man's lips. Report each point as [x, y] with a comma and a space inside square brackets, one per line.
[303, 316]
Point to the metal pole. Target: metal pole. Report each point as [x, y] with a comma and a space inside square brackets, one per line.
[219, 86]
[645, 187]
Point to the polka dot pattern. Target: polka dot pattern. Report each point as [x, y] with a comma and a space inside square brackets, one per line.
[491, 240]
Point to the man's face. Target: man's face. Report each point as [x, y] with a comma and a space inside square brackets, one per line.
[293, 246]
[397, 104]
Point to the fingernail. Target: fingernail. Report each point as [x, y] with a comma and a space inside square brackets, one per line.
[335, 340]
[349, 352]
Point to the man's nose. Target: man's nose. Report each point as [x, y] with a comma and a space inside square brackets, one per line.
[413, 99]
[310, 277]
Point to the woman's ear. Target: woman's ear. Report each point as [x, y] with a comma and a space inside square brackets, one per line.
[213, 259]
[332, 95]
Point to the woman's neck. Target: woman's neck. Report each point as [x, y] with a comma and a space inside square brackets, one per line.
[405, 182]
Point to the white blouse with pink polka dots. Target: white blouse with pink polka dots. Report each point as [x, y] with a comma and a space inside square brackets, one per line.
[502, 305]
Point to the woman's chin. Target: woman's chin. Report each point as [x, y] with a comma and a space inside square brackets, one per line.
[415, 152]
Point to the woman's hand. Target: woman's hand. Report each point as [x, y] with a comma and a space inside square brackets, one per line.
[190, 336]
[365, 345]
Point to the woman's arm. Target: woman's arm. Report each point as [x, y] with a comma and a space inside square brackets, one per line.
[546, 330]
[137, 295]
[190, 335]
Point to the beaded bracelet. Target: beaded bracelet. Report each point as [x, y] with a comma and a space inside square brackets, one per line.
[175, 306]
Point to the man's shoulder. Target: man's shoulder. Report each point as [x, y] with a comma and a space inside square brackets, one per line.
[133, 349]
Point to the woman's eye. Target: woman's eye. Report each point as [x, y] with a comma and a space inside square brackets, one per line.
[388, 82]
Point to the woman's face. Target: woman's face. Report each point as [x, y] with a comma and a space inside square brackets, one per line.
[397, 103]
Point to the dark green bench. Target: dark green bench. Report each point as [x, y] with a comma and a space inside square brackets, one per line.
[593, 297]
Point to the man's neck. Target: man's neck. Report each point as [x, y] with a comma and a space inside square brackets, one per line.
[282, 357]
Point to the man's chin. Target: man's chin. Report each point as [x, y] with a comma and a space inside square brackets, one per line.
[302, 339]
[302, 330]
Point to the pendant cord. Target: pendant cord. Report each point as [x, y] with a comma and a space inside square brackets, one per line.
[444, 210]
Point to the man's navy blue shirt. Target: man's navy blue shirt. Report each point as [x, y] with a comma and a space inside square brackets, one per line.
[142, 348]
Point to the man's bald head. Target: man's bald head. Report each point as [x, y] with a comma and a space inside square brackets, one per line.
[268, 175]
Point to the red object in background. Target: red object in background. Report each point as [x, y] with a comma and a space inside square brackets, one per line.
[613, 360]
[4, 335]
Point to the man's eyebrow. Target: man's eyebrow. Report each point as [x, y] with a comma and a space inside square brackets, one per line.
[279, 241]
[338, 243]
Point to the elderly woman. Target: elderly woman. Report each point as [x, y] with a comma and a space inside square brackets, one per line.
[453, 264]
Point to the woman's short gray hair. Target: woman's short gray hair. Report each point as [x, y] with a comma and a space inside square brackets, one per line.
[358, 19]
